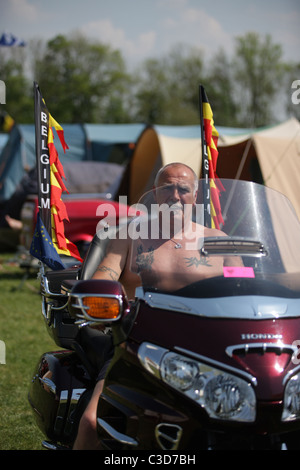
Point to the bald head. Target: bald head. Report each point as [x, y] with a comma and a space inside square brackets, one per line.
[176, 168]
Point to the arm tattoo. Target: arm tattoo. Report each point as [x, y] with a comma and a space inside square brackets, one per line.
[197, 262]
[104, 269]
[144, 260]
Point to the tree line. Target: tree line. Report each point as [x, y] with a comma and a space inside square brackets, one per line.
[86, 81]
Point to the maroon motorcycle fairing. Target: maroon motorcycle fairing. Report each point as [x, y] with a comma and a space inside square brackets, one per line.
[247, 326]
[58, 383]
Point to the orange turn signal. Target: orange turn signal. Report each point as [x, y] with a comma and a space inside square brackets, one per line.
[102, 307]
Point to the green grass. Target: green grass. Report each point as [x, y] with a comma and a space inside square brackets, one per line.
[23, 331]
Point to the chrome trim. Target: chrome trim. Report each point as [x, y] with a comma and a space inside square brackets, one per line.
[48, 307]
[76, 394]
[49, 384]
[262, 347]
[292, 372]
[150, 356]
[50, 445]
[233, 246]
[61, 411]
[169, 302]
[251, 307]
[54, 446]
[45, 286]
[84, 309]
[65, 414]
[45, 311]
[219, 365]
[122, 438]
[160, 434]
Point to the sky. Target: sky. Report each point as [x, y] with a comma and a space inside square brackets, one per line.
[143, 29]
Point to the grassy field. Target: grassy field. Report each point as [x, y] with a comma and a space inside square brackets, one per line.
[23, 331]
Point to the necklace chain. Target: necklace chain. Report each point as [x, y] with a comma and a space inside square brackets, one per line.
[177, 244]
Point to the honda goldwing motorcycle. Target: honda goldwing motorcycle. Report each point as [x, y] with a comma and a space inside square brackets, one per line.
[210, 364]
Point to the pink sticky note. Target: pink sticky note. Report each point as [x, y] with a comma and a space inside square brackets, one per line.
[238, 271]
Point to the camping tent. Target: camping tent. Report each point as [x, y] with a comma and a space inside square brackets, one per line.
[269, 155]
[3, 140]
[111, 143]
[18, 156]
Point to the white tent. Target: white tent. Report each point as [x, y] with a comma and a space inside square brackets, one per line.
[269, 155]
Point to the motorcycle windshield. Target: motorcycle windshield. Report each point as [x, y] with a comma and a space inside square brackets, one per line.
[246, 241]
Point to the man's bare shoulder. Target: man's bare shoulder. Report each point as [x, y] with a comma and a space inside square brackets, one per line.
[214, 232]
[118, 241]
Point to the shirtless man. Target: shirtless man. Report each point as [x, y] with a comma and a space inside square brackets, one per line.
[175, 189]
[153, 258]
[176, 186]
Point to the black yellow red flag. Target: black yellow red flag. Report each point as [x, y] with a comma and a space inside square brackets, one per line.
[52, 210]
[212, 185]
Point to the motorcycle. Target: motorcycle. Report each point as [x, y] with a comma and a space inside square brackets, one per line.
[202, 361]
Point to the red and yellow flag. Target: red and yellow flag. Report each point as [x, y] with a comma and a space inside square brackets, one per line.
[210, 153]
[58, 209]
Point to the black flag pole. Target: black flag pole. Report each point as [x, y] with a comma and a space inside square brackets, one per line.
[205, 161]
[41, 115]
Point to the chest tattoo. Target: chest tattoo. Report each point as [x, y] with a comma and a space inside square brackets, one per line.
[193, 261]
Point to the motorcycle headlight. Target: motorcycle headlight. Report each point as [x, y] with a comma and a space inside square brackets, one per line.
[222, 394]
[291, 402]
